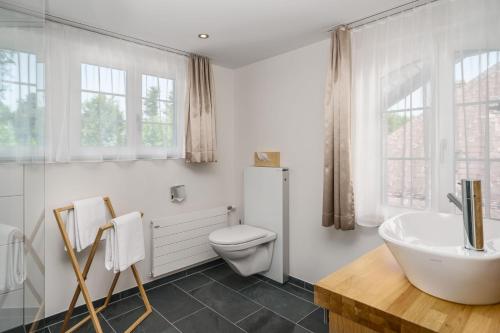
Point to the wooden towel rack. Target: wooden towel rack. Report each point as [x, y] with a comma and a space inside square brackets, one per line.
[81, 276]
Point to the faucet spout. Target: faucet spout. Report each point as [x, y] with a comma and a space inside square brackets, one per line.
[472, 211]
[454, 200]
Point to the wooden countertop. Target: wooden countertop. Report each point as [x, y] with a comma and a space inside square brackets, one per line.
[374, 292]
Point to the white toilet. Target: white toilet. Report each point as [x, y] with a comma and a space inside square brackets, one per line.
[247, 249]
[260, 244]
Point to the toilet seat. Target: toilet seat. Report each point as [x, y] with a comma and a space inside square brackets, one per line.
[240, 237]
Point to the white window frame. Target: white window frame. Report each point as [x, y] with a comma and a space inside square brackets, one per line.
[78, 151]
[171, 152]
[35, 152]
[487, 159]
[427, 111]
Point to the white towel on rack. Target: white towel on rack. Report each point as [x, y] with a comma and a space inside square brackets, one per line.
[84, 221]
[124, 242]
[12, 270]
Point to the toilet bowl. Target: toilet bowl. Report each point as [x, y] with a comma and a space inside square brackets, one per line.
[247, 249]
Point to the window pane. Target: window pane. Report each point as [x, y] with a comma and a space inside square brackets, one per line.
[7, 131]
[418, 132]
[157, 112]
[398, 133]
[170, 136]
[471, 78]
[495, 190]
[418, 186]
[10, 65]
[90, 131]
[469, 169]
[163, 112]
[104, 112]
[406, 183]
[417, 98]
[10, 95]
[470, 136]
[144, 90]
[494, 76]
[24, 67]
[171, 91]
[41, 99]
[494, 130]
[90, 77]
[170, 113]
[163, 89]
[118, 82]
[28, 121]
[21, 112]
[394, 182]
[154, 135]
[113, 121]
[121, 102]
[150, 107]
[24, 91]
[105, 80]
[151, 82]
[32, 69]
[103, 120]
[40, 76]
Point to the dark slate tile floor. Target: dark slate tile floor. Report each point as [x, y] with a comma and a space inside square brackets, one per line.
[154, 323]
[215, 300]
[225, 275]
[279, 301]
[86, 328]
[266, 321]
[225, 301]
[315, 322]
[126, 305]
[207, 320]
[192, 282]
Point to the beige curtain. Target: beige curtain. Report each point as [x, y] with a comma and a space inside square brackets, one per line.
[200, 130]
[338, 198]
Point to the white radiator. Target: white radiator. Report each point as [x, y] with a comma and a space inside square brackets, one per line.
[181, 241]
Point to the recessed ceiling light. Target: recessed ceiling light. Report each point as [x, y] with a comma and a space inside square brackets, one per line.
[203, 36]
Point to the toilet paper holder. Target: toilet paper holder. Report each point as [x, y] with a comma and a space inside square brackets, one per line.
[177, 193]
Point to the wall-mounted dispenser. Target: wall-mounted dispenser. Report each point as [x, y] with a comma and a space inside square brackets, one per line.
[177, 193]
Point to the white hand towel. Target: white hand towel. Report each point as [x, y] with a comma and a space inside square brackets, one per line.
[84, 222]
[124, 242]
[12, 270]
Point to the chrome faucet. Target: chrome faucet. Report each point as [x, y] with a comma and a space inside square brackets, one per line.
[472, 210]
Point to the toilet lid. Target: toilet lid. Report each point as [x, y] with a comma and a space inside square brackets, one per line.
[237, 234]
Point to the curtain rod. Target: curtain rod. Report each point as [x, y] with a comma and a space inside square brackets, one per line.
[87, 27]
[383, 14]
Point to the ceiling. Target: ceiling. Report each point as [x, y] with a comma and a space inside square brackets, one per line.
[241, 32]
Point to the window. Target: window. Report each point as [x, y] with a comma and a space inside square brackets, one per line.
[103, 107]
[158, 112]
[21, 101]
[406, 162]
[477, 124]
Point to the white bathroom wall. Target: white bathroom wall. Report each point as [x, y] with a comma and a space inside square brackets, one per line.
[279, 106]
[139, 185]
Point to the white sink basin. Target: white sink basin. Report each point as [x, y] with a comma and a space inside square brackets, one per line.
[429, 248]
